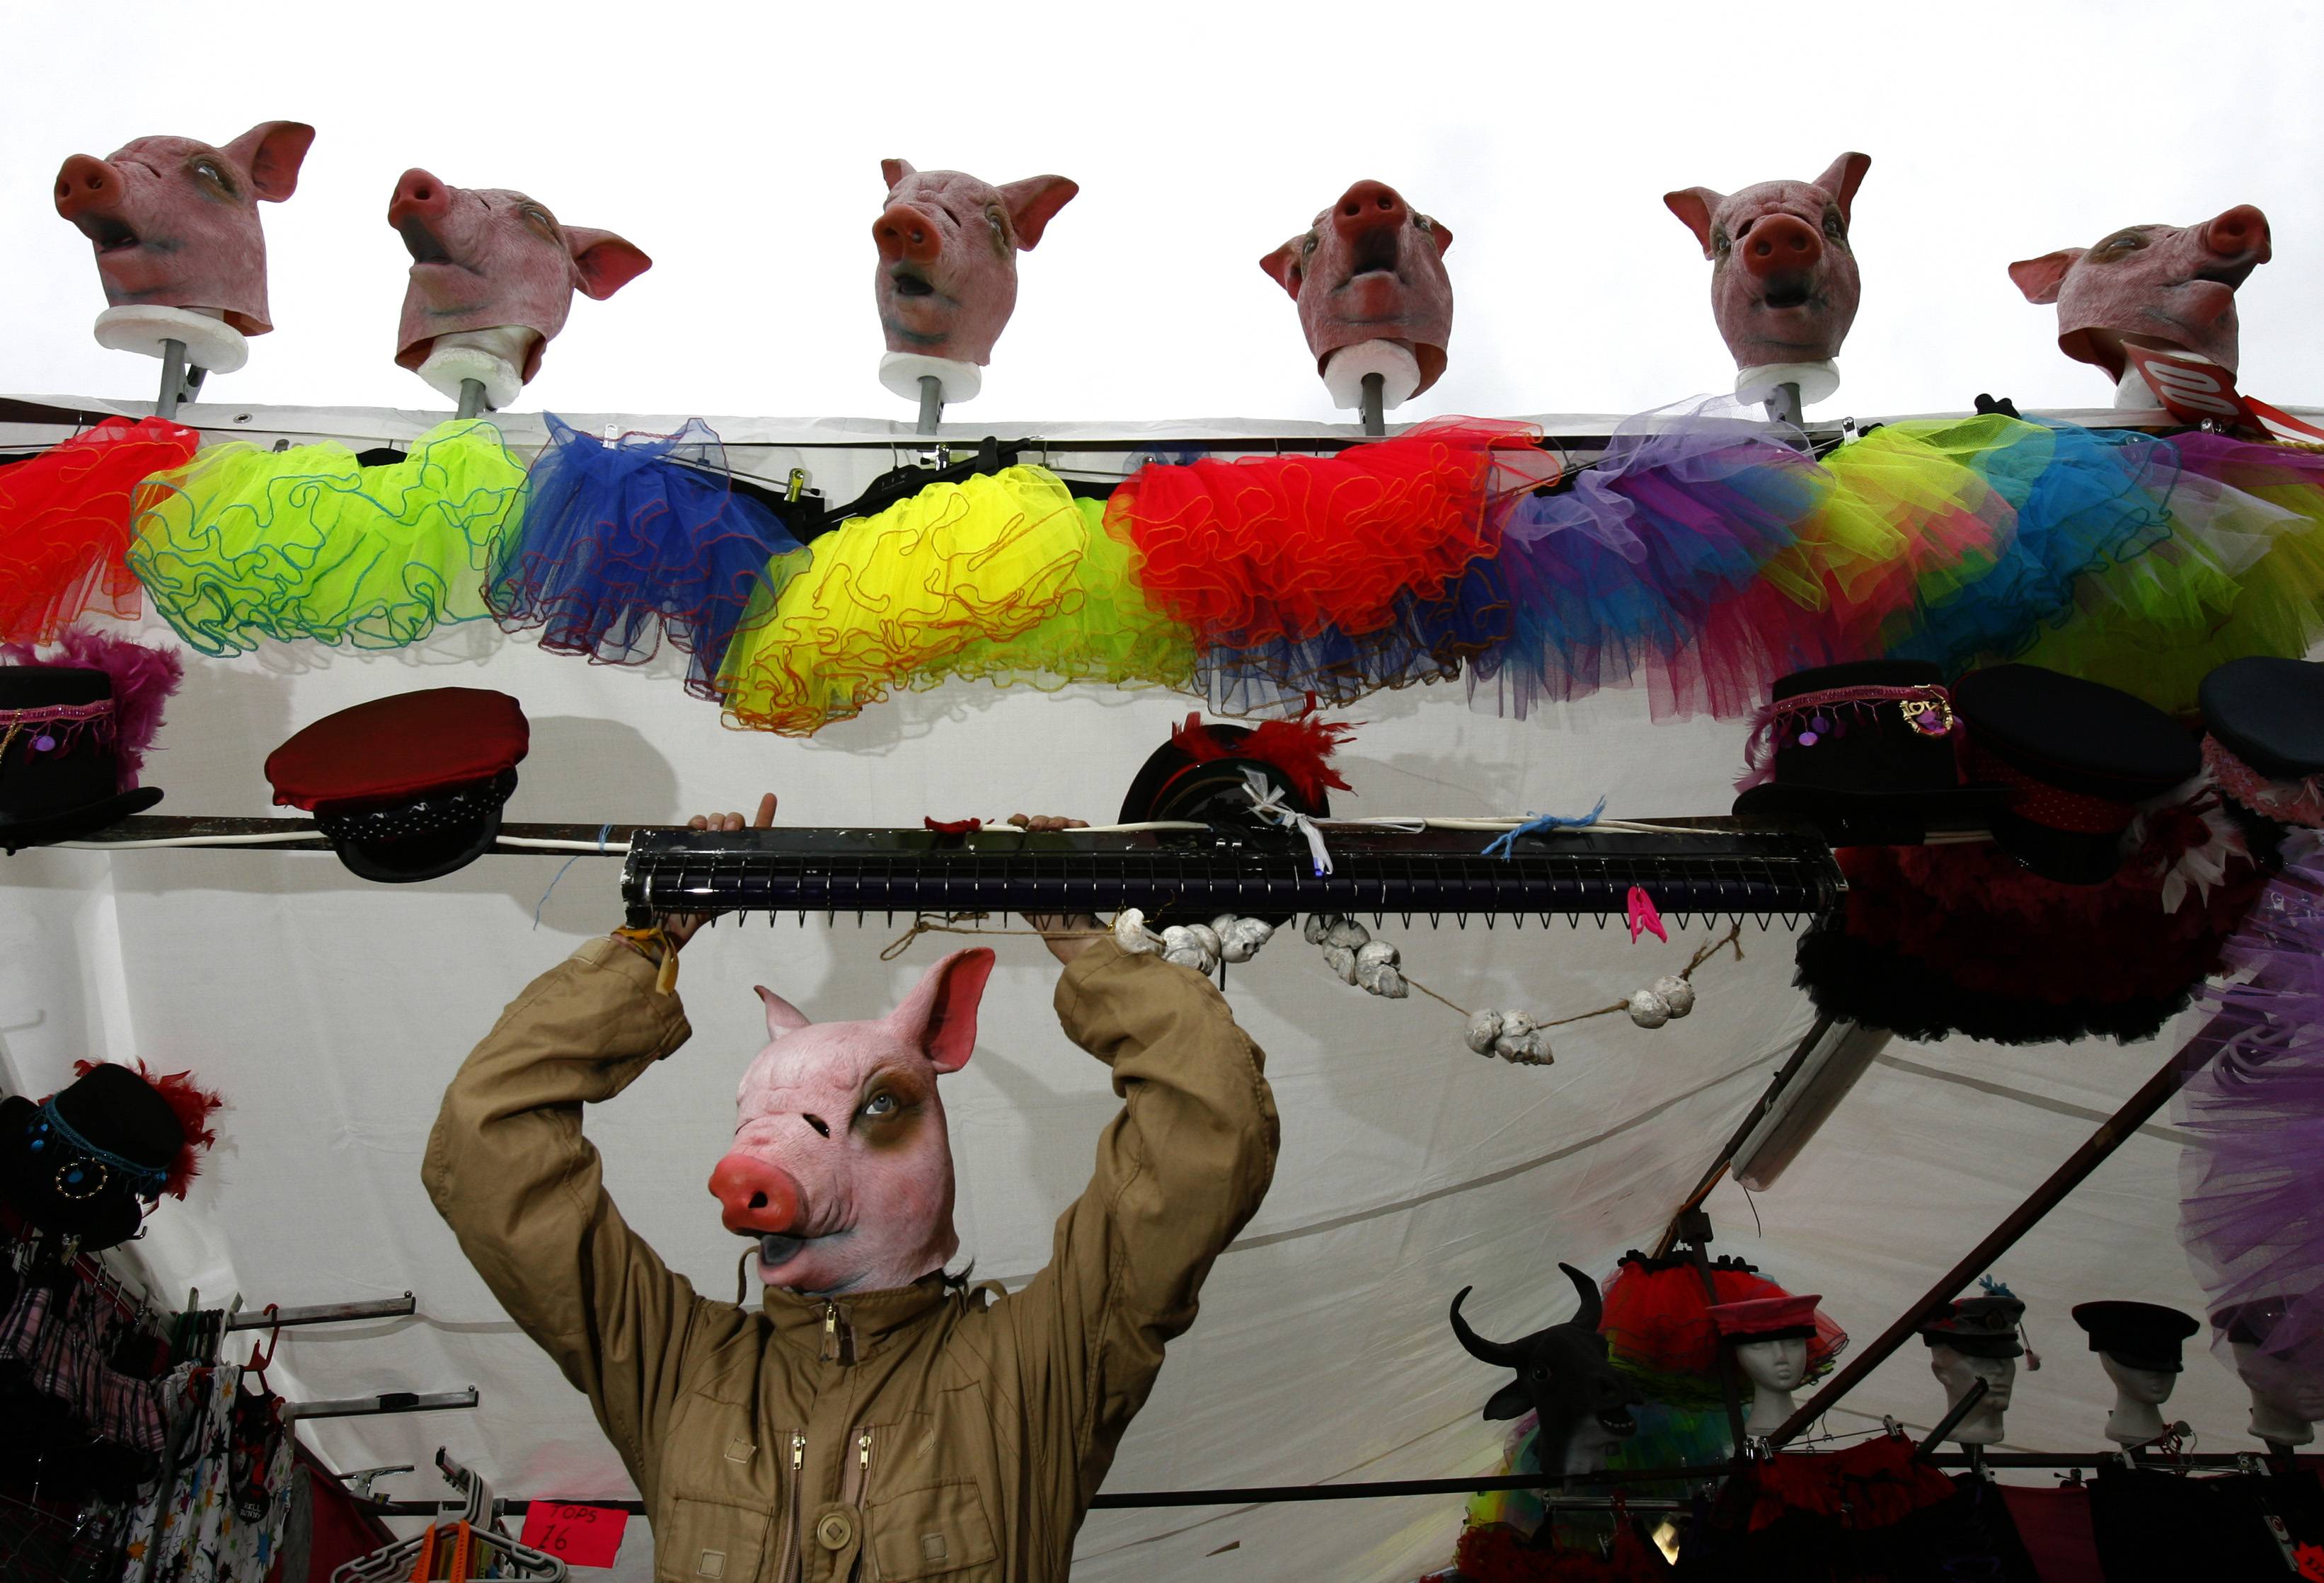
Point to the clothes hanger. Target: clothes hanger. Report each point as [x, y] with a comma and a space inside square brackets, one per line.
[474, 1538]
[901, 484]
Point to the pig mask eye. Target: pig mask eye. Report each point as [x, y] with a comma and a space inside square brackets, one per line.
[879, 1106]
[2121, 244]
[1833, 226]
[213, 175]
[1721, 242]
[996, 220]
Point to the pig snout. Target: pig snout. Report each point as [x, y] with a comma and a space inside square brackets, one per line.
[1781, 244]
[756, 1197]
[1367, 207]
[905, 235]
[2239, 233]
[87, 190]
[418, 196]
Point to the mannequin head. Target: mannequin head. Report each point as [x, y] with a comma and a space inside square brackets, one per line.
[1958, 1373]
[2139, 1346]
[1767, 1337]
[2285, 1377]
[1777, 1365]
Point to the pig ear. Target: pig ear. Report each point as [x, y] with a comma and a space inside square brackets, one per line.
[1846, 175]
[1283, 266]
[892, 171]
[783, 1016]
[1694, 205]
[1033, 203]
[273, 151]
[605, 263]
[939, 1017]
[1443, 233]
[2039, 278]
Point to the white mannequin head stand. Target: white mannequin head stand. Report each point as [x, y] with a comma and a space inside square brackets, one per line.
[2139, 1346]
[1971, 1339]
[1768, 1339]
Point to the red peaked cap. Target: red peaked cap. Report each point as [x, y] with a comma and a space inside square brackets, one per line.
[1300, 748]
[1766, 1316]
[393, 748]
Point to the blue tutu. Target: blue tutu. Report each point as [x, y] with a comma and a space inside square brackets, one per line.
[2085, 500]
[1622, 571]
[627, 543]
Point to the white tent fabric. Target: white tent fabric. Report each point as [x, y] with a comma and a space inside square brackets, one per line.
[331, 1012]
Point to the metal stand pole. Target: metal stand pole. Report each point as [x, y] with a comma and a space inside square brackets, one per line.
[1961, 1410]
[180, 382]
[2136, 1110]
[472, 398]
[1783, 405]
[931, 403]
[1694, 1232]
[1375, 404]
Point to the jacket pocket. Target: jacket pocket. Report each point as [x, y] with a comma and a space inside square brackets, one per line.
[699, 1541]
[938, 1532]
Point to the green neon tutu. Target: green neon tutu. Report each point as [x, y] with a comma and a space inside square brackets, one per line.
[245, 544]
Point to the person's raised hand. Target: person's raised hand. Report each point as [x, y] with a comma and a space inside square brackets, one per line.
[680, 926]
[1067, 936]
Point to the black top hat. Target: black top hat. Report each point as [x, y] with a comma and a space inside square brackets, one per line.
[2076, 758]
[1864, 752]
[1977, 1327]
[61, 767]
[78, 1162]
[2137, 1335]
[407, 788]
[2267, 748]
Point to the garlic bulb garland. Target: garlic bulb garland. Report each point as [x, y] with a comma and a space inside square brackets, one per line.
[1200, 946]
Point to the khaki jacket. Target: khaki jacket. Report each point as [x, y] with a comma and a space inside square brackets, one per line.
[930, 1432]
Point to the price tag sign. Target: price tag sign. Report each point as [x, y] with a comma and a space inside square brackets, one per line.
[579, 1536]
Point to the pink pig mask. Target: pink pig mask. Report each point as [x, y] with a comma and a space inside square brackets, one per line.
[947, 282]
[485, 259]
[1784, 286]
[2166, 286]
[1370, 269]
[174, 220]
[841, 1167]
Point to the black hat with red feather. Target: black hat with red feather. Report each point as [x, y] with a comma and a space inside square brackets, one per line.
[84, 1161]
[1203, 773]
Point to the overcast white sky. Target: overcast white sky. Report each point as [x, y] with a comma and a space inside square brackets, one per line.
[740, 146]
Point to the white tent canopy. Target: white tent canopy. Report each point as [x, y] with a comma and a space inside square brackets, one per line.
[331, 1012]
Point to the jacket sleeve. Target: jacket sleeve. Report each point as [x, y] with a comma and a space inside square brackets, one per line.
[1180, 1170]
[509, 1170]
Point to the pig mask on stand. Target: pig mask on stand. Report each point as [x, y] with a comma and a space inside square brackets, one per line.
[1784, 286]
[1369, 276]
[948, 277]
[175, 224]
[492, 276]
[2171, 287]
[841, 1168]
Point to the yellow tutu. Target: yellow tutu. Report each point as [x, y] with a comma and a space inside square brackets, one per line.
[879, 599]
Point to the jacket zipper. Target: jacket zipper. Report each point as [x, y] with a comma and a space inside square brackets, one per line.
[855, 1486]
[791, 1569]
[830, 1333]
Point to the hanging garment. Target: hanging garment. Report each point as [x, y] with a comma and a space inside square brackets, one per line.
[217, 1511]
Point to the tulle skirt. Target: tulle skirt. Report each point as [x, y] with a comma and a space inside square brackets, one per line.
[1104, 630]
[2241, 574]
[64, 524]
[883, 600]
[626, 543]
[247, 544]
[1292, 570]
[2251, 1184]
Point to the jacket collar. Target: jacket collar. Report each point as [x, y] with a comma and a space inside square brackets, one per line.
[856, 1323]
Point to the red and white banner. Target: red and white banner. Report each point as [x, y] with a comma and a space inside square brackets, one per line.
[2193, 389]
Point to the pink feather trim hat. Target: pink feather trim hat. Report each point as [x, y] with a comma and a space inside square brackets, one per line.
[74, 728]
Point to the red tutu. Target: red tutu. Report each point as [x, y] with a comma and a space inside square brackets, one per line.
[64, 524]
[1873, 1483]
[1657, 1318]
[1275, 549]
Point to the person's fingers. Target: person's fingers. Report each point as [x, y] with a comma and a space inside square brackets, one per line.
[1076, 825]
[699, 822]
[1020, 821]
[766, 819]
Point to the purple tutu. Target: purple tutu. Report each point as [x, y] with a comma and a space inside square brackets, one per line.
[2252, 1187]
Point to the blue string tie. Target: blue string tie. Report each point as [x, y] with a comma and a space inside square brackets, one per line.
[1504, 846]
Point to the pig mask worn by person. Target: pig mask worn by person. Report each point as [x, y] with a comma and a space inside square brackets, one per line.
[174, 222]
[841, 1167]
[492, 277]
[947, 282]
[1369, 276]
[1784, 286]
[2167, 287]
